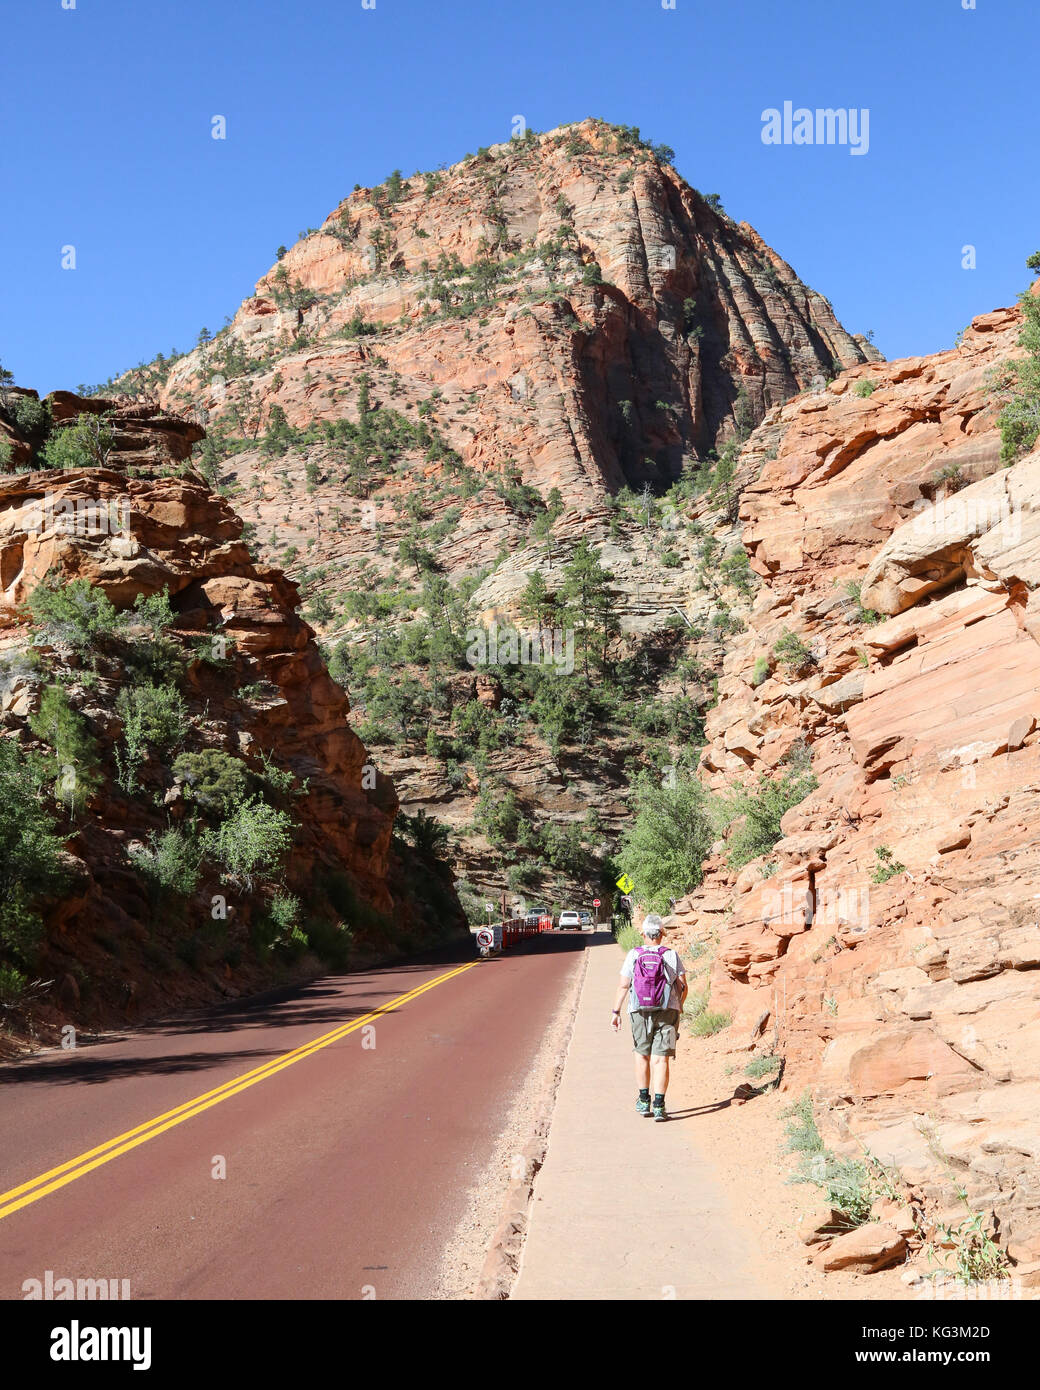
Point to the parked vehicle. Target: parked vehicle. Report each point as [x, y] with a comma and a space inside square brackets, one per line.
[588, 922]
[570, 919]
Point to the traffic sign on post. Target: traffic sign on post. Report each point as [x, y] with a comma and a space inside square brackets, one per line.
[595, 902]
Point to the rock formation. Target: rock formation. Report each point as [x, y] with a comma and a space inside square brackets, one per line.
[140, 523]
[889, 944]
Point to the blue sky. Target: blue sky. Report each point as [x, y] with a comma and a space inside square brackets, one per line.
[106, 118]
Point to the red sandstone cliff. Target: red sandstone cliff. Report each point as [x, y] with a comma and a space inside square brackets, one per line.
[892, 954]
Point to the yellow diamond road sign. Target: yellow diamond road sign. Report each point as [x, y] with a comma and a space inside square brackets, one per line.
[625, 883]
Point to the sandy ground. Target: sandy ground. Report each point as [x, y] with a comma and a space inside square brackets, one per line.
[747, 1143]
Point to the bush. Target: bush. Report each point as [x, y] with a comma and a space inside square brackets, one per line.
[30, 415]
[213, 780]
[627, 936]
[885, 867]
[762, 810]
[761, 1066]
[74, 760]
[791, 650]
[86, 444]
[30, 852]
[73, 615]
[869, 616]
[252, 841]
[1020, 418]
[170, 863]
[12, 985]
[664, 848]
[802, 1134]
[333, 942]
[153, 716]
[81, 616]
[863, 389]
[281, 926]
[761, 671]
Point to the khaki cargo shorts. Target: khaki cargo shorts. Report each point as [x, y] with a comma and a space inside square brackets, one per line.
[654, 1031]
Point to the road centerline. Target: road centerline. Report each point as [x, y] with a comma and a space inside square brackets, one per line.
[44, 1184]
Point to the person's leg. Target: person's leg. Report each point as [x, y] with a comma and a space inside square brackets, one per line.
[662, 1050]
[641, 1048]
[660, 1071]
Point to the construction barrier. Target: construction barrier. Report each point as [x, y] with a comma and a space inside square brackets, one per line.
[515, 929]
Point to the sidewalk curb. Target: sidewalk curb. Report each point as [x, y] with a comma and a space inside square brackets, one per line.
[502, 1262]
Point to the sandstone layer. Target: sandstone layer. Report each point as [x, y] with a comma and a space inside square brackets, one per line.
[889, 945]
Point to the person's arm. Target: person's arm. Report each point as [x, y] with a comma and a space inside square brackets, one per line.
[624, 984]
[680, 981]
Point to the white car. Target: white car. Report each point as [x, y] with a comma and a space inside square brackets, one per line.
[570, 919]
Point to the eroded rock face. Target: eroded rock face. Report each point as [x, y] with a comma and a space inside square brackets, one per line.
[160, 527]
[624, 327]
[697, 328]
[907, 996]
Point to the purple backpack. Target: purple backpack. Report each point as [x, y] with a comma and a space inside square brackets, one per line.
[650, 978]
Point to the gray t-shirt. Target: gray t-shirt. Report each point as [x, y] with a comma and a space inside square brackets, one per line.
[674, 970]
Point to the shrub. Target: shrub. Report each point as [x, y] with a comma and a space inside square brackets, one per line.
[790, 650]
[12, 984]
[664, 848]
[32, 416]
[169, 864]
[30, 851]
[803, 1136]
[885, 867]
[281, 925]
[977, 1256]
[863, 389]
[251, 842]
[762, 809]
[74, 615]
[74, 760]
[627, 935]
[213, 780]
[153, 717]
[333, 942]
[86, 444]
[1020, 418]
[429, 836]
[869, 616]
[761, 671]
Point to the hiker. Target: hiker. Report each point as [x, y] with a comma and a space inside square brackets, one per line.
[653, 979]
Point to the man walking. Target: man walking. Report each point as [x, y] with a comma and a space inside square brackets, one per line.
[653, 979]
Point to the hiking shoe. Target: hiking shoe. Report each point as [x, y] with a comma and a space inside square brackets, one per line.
[642, 1107]
[660, 1113]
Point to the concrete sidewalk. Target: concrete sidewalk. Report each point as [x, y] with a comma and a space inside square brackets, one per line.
[624, 1208]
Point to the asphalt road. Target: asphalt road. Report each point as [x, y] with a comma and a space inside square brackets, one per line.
[348, 1143]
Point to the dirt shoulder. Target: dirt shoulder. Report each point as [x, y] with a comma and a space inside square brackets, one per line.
[747, 1145]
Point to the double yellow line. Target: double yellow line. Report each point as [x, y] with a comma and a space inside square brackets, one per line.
[55, 1178]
